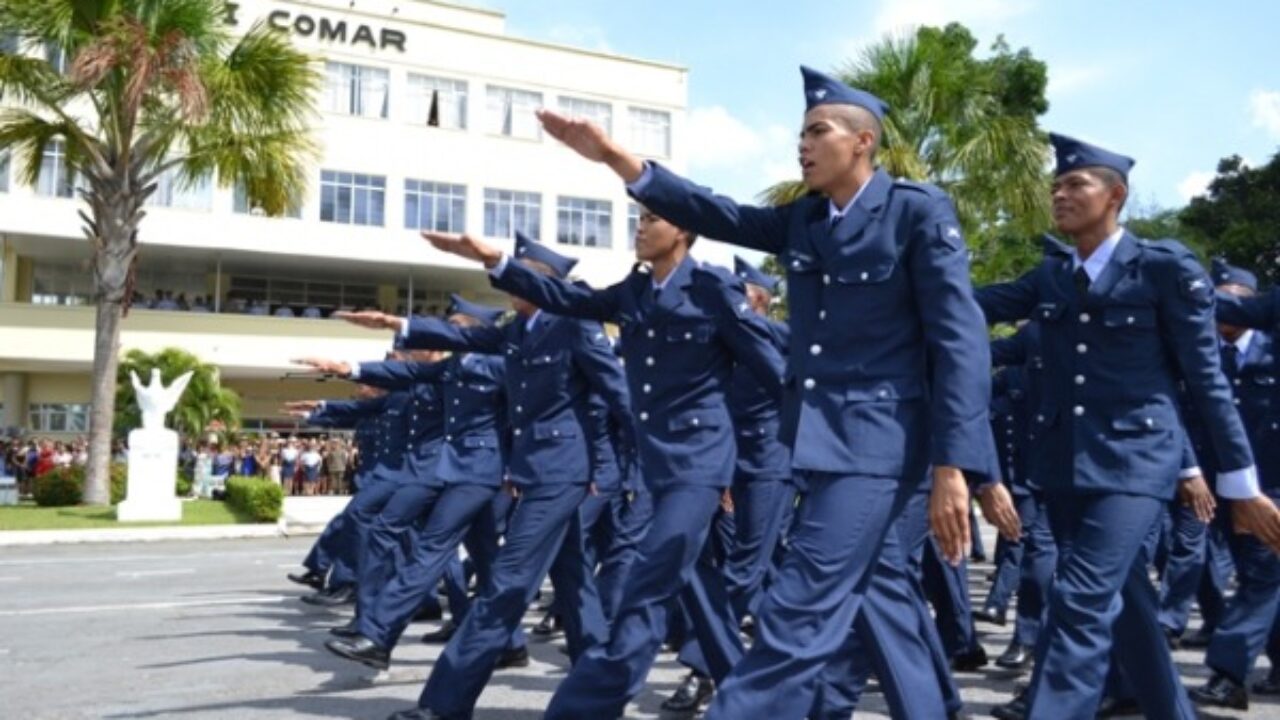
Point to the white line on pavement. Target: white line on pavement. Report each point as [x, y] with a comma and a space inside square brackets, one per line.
[138, 558]
[144, 606]
[150, 573]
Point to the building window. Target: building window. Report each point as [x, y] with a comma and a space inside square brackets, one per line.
[580, 221]
[240, 204]
[510, 113]
[438, 102]
[56, 57]
[506, 211]
[435, 206]
[356, 90]
[650, 132]
[597, 112]
[55, 283]
[172, 191]
[352, 198]
[56, 177]
[326, 295]
[59, 417]
[9, 44]
[633, 224]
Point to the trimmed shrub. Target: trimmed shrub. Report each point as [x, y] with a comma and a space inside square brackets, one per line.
[119, 481]
[259, 498]
[184, 485]
[59, 487]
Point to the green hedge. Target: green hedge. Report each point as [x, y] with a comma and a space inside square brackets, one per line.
[261, 499]
[64, 486]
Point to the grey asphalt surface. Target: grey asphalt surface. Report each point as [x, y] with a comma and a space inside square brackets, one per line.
[213, 629]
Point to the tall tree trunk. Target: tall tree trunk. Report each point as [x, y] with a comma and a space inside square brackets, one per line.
[106, 358]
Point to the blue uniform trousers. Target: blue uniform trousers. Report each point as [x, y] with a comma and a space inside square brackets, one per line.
[537, 528]
[482, 541]
[1103, 605]
[759, 509]
[978, 551]
[389, 540]
[947, 588]
[319, 559]
[1039, 556]
[884, 639]
[804, 620]
[1250, 613]
[1008, 562]
[572, 573]
[1196, 569]
[607, 676]
[615, 544]
[711, 564]
[453, 508]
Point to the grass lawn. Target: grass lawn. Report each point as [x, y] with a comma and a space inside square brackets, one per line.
[29, 516]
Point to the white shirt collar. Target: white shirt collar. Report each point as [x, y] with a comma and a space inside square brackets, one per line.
[1100, 257]
[1242, 344]
[835, 213]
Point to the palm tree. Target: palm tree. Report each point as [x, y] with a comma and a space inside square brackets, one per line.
[204, 403]
[966, 125]
[151, 86]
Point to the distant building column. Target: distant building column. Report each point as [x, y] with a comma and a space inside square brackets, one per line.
[14, 386]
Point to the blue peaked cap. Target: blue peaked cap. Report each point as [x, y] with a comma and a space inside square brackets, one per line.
[1226, 274]
[459, 305]
[754, 275]
[1074, 154]
[821, 89]
[529, 249]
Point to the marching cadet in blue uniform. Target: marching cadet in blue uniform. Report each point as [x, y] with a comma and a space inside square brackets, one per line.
[683, 326]
[1122, 320]
[887, 374]
[462, 462]
[554, 364]
[1251, 361]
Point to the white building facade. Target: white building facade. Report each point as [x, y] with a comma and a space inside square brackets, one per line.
[425, 120]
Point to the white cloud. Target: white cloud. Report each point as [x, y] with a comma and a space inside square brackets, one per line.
[717, 138]
[1195, 183]
[1068, 79]
[1264, 111]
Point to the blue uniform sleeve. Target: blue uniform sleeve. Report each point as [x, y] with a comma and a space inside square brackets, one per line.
[697, 208]
[346, 414]
[959, 356]
[1261, 312]
[432, 333]
[1187, 322]
[557, 296]
[1009, 301]
[748, 336]
[593, 355]
[399, 374]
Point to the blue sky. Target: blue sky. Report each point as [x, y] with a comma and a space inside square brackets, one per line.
[1175, 84]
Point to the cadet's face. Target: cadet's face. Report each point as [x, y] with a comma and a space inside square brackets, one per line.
[655, 237]
[829, 148]
[1080, 200]
[759, 298]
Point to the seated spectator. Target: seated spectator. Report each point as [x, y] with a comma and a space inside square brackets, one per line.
[311, 311]
[198, 306]
[165, 302]
[235, 304]
[284, 311]
[259, 307]
[182, 302]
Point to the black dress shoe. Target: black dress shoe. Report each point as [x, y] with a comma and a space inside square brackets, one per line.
[991, 617]
[1269, 685]
[1015, 709]
[429, 613]
[1200, 640]
[362, 650]
[414, 714]
[441, 635]
[350, 630]
[1015, 657]
[694, 692]
[1111, 707]
[969, 661]
[309, 578]
[513, 658]
[1221, 691]
[332, 598]
[548, 627]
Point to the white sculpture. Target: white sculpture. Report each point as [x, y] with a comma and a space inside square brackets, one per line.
[155, 400]
[153, 454]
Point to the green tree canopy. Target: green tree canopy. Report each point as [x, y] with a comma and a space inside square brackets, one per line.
[149, 87]
[1239, 218]
[204, 403]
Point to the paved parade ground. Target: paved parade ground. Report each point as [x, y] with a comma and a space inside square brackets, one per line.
[211, 629]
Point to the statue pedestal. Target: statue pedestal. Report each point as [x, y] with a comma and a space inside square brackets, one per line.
[153, 475]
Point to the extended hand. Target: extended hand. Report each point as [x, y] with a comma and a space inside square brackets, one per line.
[321, 365]
[464, 246]
[1195, 494]
[1258, 516]
[591, 142]
[371, 319]
[997, 507]
[949, 513]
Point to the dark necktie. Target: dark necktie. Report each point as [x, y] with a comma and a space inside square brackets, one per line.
[835, 220]
[1082, 281]
[1230, 360]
